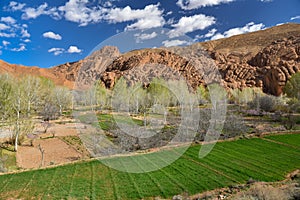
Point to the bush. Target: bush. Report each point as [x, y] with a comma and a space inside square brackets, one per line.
[265, 103]
[292, 87]
[234, 126]
[243, 97]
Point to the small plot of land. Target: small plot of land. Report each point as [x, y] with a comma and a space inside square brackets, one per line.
[61, 144]
[55, 152]
[229, 163]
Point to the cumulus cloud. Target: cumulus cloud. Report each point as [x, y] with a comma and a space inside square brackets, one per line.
[8, 20]
[52, 35]
[21, 48]
[7, 35]
[14, 6]
[149, 17]
[209, 34]
[77, 11]
[3, 27]
[296, 17]
[266, 1]
[195, 4]
[170, 43]
[190, 24]
[250, 27]
[26, 40]
[24, 33]
[5, 43]
[144, 36]
[32, 13]
[81, 12]
[74, 49]
[56, 51]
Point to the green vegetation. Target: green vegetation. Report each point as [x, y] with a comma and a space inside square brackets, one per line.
[229, 163]
[22, 99]
[292, 87]
[7, 160]
[107, 122]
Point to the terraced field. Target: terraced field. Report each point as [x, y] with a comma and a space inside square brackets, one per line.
[230, 163]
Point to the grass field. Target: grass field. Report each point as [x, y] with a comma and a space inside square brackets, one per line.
[230, 163]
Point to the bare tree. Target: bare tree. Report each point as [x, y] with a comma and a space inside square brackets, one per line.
[62, 98]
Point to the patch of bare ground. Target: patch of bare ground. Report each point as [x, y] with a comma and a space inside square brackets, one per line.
[58, 145]
[54, 149]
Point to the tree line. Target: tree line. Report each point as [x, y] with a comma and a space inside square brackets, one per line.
[25, 98]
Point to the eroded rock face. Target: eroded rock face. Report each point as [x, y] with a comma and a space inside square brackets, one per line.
[280, 61]
[144, 65]
[269, 69]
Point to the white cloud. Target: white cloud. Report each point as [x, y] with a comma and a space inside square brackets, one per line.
[77, 11]
[266, 1]
[190, 24]
[14, 6]
[5, 43]
[56, 51]
[32, 13]
[210, 33]
[24, 33]
[26, 40]
[7, 35]
[170, 43]
[52, 35]
[194, 4]
[144, 36]
[296, 17]
[21, 48]
[80, 12]
[74, 49]
[149, 17]
[8, 20]
[3, 27]
[250, 27]
[12, 29]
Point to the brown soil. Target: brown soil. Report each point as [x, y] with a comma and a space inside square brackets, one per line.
[56, 150]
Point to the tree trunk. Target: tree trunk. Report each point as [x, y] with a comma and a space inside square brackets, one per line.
[60, 109]
[165, 116]
[137, 107]
[145, 119]
[17, 130]
[28, 107]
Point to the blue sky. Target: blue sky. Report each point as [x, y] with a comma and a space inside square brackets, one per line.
[48, 33]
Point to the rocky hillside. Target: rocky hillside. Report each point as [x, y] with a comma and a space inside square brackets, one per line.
[265, 59]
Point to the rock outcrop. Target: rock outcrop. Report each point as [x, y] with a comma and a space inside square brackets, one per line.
[269, 69]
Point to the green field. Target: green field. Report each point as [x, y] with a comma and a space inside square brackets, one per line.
[230, 163]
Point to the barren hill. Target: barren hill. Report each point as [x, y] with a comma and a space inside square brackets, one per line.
[264, 59]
